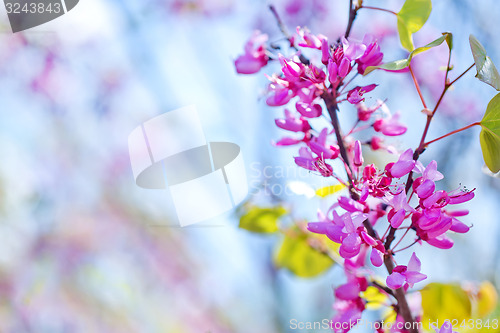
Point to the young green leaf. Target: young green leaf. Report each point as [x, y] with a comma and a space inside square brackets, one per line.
[486, 70]
[403, 63]
[490, 135]
[262, 220]
[411, 19]
[298, 256]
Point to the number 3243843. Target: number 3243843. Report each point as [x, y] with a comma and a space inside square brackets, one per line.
[33, 7]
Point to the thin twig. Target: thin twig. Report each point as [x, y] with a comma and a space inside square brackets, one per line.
[380, 9]
[453, 132]
[285, 33]
[418, 87]
[352, 17]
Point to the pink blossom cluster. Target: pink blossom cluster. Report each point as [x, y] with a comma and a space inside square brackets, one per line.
[411, 206]
[306, 84]
[381, 194]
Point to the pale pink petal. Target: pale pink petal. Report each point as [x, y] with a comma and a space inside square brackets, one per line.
[368, 239]
[318, 227]
[414, 263]
[459, 227]
[287, 142]
[414, 277]
[441, 242]
[401, 168]
[349, 291]
[398, 218]
[376, 257]
[395, 280]
[426, 189]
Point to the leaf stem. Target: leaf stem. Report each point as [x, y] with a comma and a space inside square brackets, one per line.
[407, 247]
[399, 241]
[285, 32]
[383, 288]
[352, 17]
[421, 147]
[380, 9]
[460, 76]
[453, 132]
[418, 87]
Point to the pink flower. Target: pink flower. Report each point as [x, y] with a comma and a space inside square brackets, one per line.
[325, 51]
[319, 146]
[332, 72]
[351, 205]
[389, 126]
[309, 110]
[314, 74]
[310, 40]
[355, 96]
[365, 53]
[280, 97]
[286, 141]
[307, 161]
[358, 155]
[378, 143]
[281, 93]
[403, 166]
[348, 305]
[378, 249]
[255, 55]
[460, 196]
[372, 55]
[406, 275]
[291, 69]
[424, 186]
[353, 49]
[400, 207]
[343, 229]
[344, 67]
[293, 124]
[364, 112]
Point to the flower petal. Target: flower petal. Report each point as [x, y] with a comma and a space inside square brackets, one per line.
[414, 277]
[376, 257]
[348, 291]
[395, 280]
[414, 263]
[398, 218]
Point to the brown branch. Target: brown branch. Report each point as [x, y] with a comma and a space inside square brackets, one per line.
[352, 17]
[399, 294]
[384, 288]
[332, 107]
[285, 33]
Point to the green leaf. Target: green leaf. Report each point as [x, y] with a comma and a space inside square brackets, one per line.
[405, 36]
[403, 63]
[262, 220]
[486, 70]
[442, 302]
[449, 40]
[411, 18]
[490, 135]
[298, 256]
